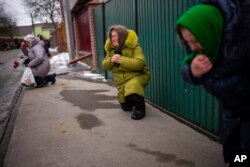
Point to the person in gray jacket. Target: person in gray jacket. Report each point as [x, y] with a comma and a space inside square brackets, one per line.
[37, 60]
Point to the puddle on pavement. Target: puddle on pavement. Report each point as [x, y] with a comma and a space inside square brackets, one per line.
[162, 157]
[88, 121]
[89, 99]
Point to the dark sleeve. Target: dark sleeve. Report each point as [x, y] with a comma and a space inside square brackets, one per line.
[48, 43]
[188, 77]
[227, 7]
[237, 43]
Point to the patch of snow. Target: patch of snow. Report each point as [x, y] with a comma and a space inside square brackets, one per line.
[61, 58]
[60, 65]
[90, 75]
[53, 49]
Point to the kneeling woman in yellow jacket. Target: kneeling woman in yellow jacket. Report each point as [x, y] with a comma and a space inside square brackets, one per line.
[124, 57]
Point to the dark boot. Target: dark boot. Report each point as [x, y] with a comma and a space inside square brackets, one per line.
[139, 112]
[40, 82]
[51, 78]
[128, 105]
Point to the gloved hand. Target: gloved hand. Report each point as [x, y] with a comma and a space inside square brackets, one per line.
[26, 62]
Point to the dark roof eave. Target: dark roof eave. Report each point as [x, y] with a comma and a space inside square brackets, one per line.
[79, 4]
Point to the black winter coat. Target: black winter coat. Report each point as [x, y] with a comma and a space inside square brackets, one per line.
[229, 79]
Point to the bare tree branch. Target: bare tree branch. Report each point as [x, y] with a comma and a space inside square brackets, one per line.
[7, 23]
[43, 10]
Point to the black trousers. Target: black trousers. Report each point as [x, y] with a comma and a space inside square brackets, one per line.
[50, 77]
[134, 100]
[40, 81]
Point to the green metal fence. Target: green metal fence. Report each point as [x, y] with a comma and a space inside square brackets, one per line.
[154, 21]
[100, 35]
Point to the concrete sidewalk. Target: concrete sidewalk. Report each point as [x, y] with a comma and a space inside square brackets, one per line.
[78, 123]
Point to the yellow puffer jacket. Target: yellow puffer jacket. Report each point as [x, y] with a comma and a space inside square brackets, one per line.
[132, 75]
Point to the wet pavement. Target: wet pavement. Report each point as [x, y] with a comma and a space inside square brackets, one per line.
[78, 123]
[10, 84]
[10, 91]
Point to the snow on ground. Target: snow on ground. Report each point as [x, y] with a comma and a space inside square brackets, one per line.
[53, 49]
[60, 65]
[93, 76]
[60, 59]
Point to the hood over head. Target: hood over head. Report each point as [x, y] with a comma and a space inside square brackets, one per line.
[31, 39]
[126, 37]
[205, 22]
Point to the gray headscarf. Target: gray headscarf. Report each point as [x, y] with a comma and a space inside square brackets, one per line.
[31, 39]
[122, 32]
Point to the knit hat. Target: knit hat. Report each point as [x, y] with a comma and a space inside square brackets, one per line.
[30, 38]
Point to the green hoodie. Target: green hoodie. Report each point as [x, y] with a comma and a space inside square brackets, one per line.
[205, 22]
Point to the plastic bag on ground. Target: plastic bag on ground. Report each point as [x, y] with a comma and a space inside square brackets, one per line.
[28, 79]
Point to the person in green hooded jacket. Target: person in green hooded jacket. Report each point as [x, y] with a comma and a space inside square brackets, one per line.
[203, 33]
[125, 58]
[218, 58]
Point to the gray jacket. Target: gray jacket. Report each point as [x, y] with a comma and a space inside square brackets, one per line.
[39, 61]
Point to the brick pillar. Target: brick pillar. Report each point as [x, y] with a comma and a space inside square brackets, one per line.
[92, 38]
